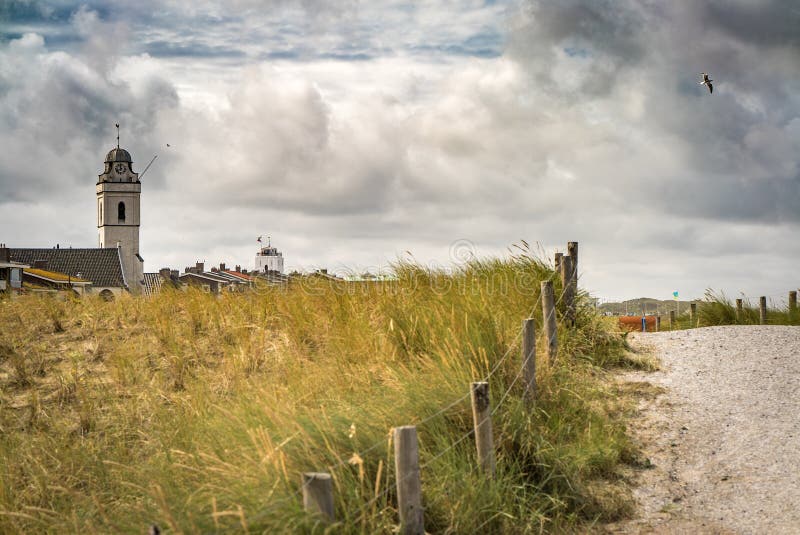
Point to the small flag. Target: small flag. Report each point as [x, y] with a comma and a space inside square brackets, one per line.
[259, 239]
[675, 295]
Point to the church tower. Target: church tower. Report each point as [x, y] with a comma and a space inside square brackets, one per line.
[118, 192]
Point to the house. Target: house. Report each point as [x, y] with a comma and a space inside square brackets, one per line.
[101, 267]
[10, 272]
[208, 281]
[42, 280]
[166, 277]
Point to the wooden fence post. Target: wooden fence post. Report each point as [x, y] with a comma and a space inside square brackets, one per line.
[658, 323]
[318, 494]
[409, 486]
[792, 302]
[763, 309]
[739, 311]
[557, 261]
[572, 250]
[692, 311]
[482, 418]
[671, 319]
[529, 358]
[568, 290]
[549, 319]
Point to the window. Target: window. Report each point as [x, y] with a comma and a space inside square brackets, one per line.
[101, 213]
[121, 212]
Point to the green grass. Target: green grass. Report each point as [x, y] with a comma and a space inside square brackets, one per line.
[200, 413]
[717, 309]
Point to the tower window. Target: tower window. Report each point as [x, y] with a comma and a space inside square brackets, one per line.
[121, 212]
[101, 213]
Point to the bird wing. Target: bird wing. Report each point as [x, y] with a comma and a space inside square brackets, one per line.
[710, 88]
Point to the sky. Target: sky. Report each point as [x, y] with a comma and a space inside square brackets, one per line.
[357, 133]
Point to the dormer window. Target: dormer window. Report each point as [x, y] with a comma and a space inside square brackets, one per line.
[121, 212]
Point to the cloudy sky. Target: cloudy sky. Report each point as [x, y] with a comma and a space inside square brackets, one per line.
[355, 132]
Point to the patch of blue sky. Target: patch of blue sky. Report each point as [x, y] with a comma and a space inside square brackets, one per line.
[577, 52]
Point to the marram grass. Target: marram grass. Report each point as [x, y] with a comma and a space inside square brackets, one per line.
[199, 413]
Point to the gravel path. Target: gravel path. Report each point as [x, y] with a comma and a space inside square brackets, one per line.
[724, 436]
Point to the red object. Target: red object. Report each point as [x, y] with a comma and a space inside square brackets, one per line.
[634, 323]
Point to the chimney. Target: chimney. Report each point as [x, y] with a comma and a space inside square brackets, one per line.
[199, 266]
[222, 266]
[174, 274]
[164, 272]
[214, 270]
[5, 253]
[40, 264]
[238, 269]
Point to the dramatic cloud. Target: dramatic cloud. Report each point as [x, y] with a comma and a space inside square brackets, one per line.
[352, 132]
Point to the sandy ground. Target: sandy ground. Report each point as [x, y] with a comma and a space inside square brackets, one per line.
[724, 436]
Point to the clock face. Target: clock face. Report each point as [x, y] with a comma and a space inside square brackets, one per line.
[119, 168]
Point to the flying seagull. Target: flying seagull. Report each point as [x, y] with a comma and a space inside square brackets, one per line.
[707, 81]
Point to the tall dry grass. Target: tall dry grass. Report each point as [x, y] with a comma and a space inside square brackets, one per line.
[199, 413]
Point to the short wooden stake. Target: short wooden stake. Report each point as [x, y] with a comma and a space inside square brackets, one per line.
[318, 494]
[568, 290]
[658, 323]
[557, 262]
[549, 319]
[409, 486]
[692, 310]
[482, 418]
[763, 309]
[739, 311]
[671, 319]
[792, 302]
[529, 358]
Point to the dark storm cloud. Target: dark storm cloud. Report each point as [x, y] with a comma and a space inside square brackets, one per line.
[732, 157]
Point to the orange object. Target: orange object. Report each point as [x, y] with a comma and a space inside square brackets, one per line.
[634, 323]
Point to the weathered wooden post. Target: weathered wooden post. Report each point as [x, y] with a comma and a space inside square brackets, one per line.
[572, 250]
[529, 358]
[739, 311]
[692, 311]
[318, 494]
[557, 261]
[792, 302]
[658, 323]
[671, 319]
[482, 418]
[568, 290]
[549, 319]
[763, 309]
[409, 486]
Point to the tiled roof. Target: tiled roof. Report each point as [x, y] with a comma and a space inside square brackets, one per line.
[238, 274]
[152, 283]
[101, 266]
[54, 275]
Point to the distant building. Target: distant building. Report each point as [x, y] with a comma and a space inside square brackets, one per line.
[210, 281]
[102, 267]
[269, 260]
[10, 272]
[42, 280]
[118, 206]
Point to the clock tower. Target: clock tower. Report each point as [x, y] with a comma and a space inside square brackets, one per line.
[118, 192]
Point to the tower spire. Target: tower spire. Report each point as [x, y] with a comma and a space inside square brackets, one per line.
[117, 125]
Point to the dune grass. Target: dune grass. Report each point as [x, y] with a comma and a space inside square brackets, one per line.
[199, 413]
[718, 309]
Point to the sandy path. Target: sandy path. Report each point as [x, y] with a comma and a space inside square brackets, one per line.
[724, 437]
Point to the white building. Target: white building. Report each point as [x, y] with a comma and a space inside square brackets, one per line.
[269, 259]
